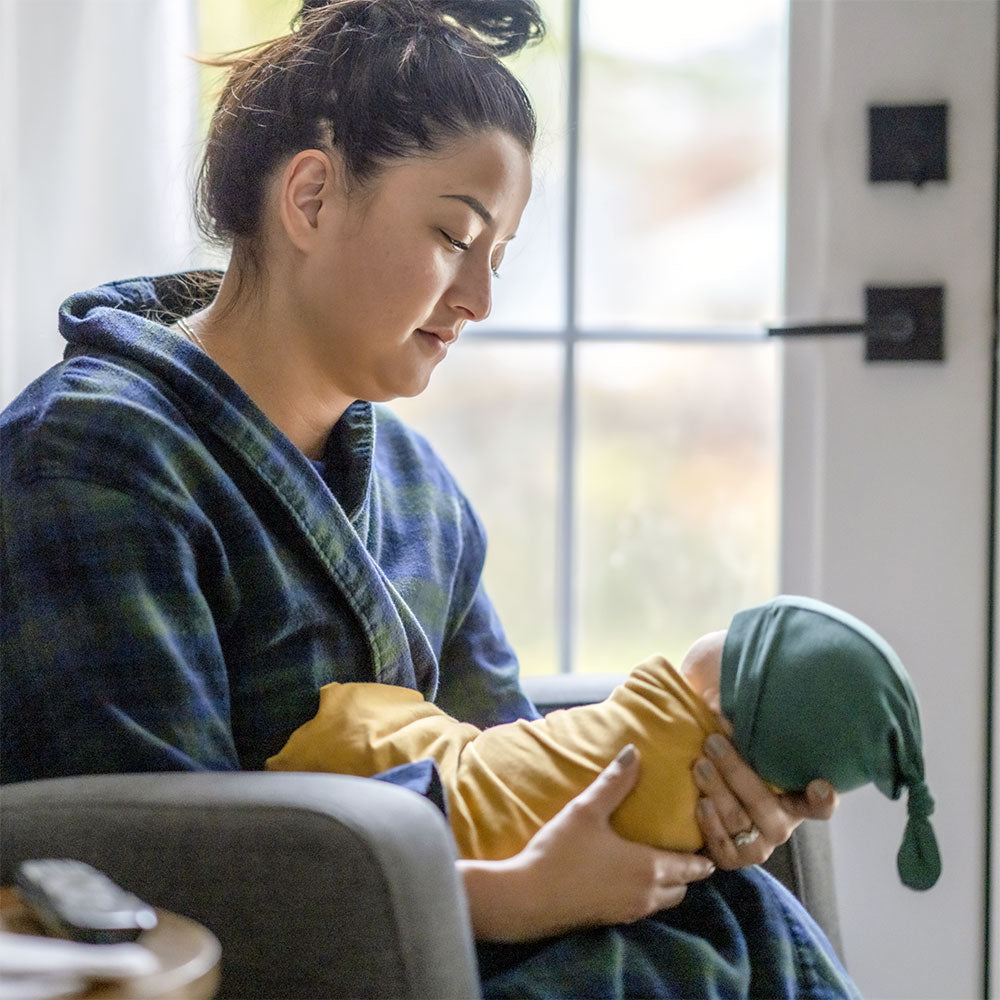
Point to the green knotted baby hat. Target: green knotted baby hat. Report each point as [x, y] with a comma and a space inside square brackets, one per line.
[812, 692]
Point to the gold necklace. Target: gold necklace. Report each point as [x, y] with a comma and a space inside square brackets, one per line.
[188, 331]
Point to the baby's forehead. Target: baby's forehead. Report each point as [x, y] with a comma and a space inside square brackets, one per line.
[709, 644]
[703, 660]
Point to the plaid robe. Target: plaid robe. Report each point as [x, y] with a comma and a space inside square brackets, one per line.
[734, 936]
[178, 581]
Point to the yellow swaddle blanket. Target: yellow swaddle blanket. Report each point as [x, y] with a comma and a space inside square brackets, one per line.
[505, 782]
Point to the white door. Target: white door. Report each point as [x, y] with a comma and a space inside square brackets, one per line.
[886, 486]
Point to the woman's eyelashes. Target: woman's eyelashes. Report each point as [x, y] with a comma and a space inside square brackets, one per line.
[496, 262]
[464, 245]
[457, 244]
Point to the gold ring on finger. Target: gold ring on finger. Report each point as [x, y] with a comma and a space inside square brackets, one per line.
[746, 837]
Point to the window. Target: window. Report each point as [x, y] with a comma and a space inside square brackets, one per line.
[615, 420]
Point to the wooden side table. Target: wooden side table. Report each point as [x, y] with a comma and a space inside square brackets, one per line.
[188, 952]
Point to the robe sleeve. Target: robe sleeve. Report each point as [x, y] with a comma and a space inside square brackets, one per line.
[479, 670]
[82, 692]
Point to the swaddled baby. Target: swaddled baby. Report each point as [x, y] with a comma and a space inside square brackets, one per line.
[803, 689]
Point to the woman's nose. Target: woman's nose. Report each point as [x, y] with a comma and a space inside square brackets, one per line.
[473, 292]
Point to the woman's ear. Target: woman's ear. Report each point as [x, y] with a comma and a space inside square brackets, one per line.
[308, 186]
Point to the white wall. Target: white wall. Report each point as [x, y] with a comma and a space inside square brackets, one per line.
[886, 465]
[94, 188]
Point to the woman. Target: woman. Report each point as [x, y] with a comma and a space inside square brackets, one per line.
[205, 519]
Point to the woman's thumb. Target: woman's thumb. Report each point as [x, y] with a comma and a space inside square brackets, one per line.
[609, 789]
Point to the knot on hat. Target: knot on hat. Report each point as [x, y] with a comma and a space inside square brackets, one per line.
[920, 802]
[919, 860]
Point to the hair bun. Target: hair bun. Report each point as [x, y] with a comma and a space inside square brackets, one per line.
[502, 27]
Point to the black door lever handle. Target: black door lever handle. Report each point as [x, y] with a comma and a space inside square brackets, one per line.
[898, 327]
[901, 324]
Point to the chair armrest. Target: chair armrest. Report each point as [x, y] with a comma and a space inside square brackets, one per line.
[804, 865]
[316, 885]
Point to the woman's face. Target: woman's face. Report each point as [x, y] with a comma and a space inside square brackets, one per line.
[400, 268]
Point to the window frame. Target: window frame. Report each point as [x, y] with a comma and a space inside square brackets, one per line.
[568, 336]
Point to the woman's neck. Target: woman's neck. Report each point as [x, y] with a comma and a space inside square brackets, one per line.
[253, 338]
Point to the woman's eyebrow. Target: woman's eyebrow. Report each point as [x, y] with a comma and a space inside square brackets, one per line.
[475, 204]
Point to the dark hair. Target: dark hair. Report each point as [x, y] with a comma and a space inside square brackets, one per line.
[374, 80]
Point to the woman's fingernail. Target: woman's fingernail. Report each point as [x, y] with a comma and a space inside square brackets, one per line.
[626, 757]
[704, 770]
[715, 745]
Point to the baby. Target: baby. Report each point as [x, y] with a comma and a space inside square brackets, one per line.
[803, 689]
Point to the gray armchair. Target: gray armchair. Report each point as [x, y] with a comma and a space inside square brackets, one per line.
[316, 885]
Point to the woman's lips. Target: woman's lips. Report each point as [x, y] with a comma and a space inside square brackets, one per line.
[445, 336]
[437, 341]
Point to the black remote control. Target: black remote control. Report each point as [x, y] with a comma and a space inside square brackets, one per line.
[76, 901]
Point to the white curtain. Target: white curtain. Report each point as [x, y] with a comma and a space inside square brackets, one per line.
[98, 149]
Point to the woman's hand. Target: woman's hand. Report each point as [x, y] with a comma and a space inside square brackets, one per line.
[742, 820]
[576, 871]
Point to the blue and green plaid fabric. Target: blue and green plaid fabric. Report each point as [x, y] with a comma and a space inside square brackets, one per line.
[735, 936]
[178, 579]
